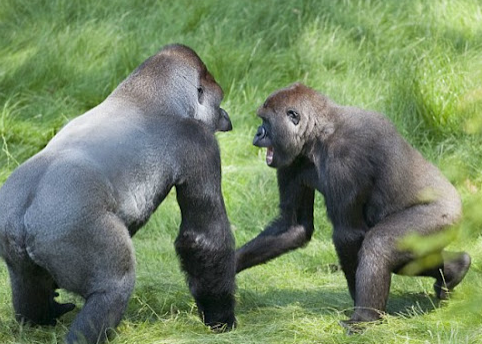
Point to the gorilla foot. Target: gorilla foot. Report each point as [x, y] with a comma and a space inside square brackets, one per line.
[361, 319]
[455, 270]
[219, 326]
[62, 308]
[356, 326]
[48, 318]
[59, 309]
[353, 327]
[222, 327]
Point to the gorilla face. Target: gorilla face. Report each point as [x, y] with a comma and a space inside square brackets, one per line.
[280, 131]
[294, 118]
[210, 95]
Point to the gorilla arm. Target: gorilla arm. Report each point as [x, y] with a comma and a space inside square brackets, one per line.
[291, 229]
[205, 244]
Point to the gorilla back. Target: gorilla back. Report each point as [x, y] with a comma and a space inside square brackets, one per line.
[377, 189]
[67, 213]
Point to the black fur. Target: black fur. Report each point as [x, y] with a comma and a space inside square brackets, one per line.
[377, 189]
[68, 213]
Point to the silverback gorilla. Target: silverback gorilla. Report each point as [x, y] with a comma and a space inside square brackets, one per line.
[67, 213]
[375, 187]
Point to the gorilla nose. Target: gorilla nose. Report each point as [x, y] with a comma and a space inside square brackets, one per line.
[224, 123]
[229, 126]
[260, 134]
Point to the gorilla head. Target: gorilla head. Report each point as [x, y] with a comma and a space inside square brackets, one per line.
[161, 82]
[290, 123]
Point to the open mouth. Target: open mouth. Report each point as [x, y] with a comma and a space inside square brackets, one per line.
[269, 155]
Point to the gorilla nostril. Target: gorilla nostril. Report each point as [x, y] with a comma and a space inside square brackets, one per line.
[260, 136]
[225, 114]
[261, 133]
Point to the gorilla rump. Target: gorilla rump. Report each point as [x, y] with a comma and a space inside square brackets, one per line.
[377, 190]
[68, 213]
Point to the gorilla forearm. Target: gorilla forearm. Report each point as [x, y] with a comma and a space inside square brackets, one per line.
[208, 261]
[292, 229]
[278, 238]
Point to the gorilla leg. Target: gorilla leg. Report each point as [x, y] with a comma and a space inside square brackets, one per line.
[102, 312]
[380, 256]
[449, 273]
[111, 287]
[97, 262]
[33, 293]
[347, 244]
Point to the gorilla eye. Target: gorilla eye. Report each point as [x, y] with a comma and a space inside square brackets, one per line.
[200, 94]
[293, 116]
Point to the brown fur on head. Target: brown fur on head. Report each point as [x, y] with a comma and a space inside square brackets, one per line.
[293, 119]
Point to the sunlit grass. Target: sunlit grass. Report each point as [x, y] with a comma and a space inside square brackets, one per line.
[419, 62]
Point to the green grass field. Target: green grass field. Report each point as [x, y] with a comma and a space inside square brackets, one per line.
[419, 62]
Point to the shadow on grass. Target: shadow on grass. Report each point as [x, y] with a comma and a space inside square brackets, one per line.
[171, 303]
[327, 302]
[152, 302]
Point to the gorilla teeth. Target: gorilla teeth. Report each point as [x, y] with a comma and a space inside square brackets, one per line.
[269, 155]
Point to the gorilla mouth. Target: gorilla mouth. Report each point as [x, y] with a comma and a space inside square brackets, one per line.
[269, 155]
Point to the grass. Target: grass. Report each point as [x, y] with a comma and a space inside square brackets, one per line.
[419, 62]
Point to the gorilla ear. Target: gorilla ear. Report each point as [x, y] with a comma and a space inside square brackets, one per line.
[293, 116]
[200, 94]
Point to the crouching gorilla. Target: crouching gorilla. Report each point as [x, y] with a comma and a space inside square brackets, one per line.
[377, 189]
[67, 214]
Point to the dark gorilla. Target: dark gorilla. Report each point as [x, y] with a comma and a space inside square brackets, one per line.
[377, 190]
[67, 214]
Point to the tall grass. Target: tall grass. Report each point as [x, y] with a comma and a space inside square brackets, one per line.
[419, 62]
